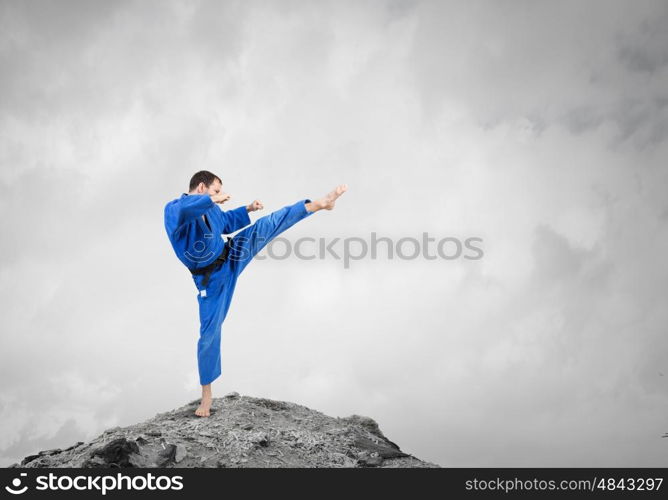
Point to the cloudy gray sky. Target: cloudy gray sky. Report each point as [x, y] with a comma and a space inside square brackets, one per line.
[540, 127]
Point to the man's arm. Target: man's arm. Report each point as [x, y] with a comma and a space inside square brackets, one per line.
[193, 205]
[232, 220]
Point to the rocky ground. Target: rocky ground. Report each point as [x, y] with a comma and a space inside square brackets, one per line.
[242, 431]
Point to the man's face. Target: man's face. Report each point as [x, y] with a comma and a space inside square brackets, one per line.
[215, 187]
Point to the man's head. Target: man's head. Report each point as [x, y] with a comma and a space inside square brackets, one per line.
[204, 182]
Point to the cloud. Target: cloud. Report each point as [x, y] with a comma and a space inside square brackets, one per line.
[568, 63]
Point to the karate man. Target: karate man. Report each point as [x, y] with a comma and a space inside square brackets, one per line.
[195, 225]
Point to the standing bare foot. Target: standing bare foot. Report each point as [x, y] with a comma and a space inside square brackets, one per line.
[327, 202]
[204, 409]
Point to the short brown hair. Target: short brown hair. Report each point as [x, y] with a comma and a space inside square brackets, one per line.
[203, 176]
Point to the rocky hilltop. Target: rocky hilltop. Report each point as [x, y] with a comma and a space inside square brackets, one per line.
[242, 431]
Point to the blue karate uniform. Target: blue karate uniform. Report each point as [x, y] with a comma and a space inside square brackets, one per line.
[198, 242]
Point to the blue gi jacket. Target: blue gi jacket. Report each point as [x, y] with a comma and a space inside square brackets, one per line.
[195, 243]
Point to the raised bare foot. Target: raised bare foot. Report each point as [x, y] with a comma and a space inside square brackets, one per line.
[327, 202]
[204, 409]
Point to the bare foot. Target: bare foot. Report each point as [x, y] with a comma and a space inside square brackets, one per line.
[204, 409]
[327, 202]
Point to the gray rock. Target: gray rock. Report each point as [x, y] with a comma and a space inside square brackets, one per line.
[180, 453]
[244, 432]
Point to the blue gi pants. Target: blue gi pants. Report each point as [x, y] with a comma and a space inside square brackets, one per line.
[215, 301]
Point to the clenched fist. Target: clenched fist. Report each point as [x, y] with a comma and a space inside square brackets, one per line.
[256, 205]
[220, 198]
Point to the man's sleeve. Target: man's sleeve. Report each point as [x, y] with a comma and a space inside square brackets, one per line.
[233, 220]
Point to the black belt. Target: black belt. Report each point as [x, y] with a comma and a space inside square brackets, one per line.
[207, 270]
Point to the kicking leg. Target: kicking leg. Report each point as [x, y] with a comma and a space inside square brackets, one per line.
[248, 242]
